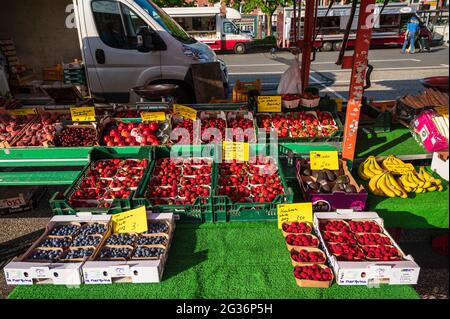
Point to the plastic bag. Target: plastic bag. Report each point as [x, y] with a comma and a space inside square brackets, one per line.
[290, 82]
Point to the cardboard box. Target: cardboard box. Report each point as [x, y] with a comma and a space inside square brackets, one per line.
[134, 271]
[403, 272]
[439, 164]
[323, 202]
[20, 198]
[21, 271]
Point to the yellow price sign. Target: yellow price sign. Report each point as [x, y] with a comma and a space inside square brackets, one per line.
[235, 151]
[132, 221]
[324, 160]
[399, 169]
[339, 103]
[22, 112]
[297, 212]
[185, 111]
[83, 114]
[153, 116]
[269, 104]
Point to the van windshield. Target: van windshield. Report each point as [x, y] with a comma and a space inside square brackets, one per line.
[165, 21]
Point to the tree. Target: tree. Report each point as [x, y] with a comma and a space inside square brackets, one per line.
[172, 3]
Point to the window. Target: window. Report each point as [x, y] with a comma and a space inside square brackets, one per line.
[228, 27]
[116, 24]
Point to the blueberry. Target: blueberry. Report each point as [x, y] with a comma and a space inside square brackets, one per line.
[50, 255]
[79, 253]
[112, 252]
[121, 239]
[152, 240]
[91, 229]
[84, 240]
[157, 228]
[56, 242]
[64, 230]
[147, 252]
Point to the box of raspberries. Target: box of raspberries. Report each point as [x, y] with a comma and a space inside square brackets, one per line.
[309, 261]
[132, 257]
[106, 184]
[361, 251]
[330, 190]
[57, 256]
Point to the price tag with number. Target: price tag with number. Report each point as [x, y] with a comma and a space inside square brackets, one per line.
[235, 151]
[270, 104]
[324, 160]
[153, 116]
[23, 112]
[132, 221]
[185, 111]
[83, 114]
[300, 212]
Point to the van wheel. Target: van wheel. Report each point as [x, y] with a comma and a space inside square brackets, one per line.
[327, 46]
[239, 48]
[337, 46]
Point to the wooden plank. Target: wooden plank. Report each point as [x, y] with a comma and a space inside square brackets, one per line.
[207, 78]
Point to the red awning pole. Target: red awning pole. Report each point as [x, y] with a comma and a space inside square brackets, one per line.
[308, 40]
[358, 63]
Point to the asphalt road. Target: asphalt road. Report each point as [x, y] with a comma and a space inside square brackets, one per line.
[394, 74]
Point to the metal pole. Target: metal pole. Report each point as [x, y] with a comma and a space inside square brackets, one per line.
[356, 91]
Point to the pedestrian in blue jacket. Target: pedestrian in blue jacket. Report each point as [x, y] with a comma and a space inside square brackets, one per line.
[410, 36]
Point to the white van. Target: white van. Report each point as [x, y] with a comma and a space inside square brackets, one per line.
[116, 61]
[210, 26]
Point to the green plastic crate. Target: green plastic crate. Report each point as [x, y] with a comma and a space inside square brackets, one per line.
[59, 202]
[199, 212]
[225, 210]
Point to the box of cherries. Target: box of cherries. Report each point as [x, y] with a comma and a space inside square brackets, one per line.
[361, 251]
[299, 125]
[255, 181]
[106, 180]
[309, 261]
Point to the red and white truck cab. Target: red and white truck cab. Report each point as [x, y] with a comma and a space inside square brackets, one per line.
[211, 26]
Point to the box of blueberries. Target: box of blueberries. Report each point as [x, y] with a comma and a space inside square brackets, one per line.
[361, 251]
[129, 257]
[81, 248]
[57, 256]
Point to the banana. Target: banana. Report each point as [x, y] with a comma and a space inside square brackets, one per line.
[419, 190]
[374, 167]
[432, 189]
[382, 185]
[440, 188]
[361, 171]
[398, 190]
[427, 176]
[416, 180]
[406, 182]
[397, 161]
[373, 185]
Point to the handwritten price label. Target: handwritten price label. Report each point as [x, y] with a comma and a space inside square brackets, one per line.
[297, 212]
[83, 114]
[399, 169]
[235, 151]
[185, 111]
[153, 116]
[324, 160]
[22, 112]
[269, 104]
[132, 221]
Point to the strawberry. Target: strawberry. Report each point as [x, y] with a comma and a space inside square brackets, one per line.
[305, 240]
[313, 272]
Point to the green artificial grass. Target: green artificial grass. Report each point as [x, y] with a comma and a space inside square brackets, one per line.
[234, 260]
[398, 141]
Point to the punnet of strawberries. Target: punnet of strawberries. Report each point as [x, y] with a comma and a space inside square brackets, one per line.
[334, 226]
[313, 272]
[373, 239]
[382, 252]
[290, 97]
[305, 240]
[346, 252]
[339, 237]
[364, 226]
[296, 228]
[308, 256]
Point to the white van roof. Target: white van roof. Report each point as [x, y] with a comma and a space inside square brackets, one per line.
[201, 12]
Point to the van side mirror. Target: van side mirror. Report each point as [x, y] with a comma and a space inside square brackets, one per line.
[237, 31]
[144, 38]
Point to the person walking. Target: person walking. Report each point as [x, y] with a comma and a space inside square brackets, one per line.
[412, 29]
[425, 38]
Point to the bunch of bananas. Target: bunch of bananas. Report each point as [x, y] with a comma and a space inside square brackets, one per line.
[391, 160]
[369, 168]
[384, 184]
[421, 182]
